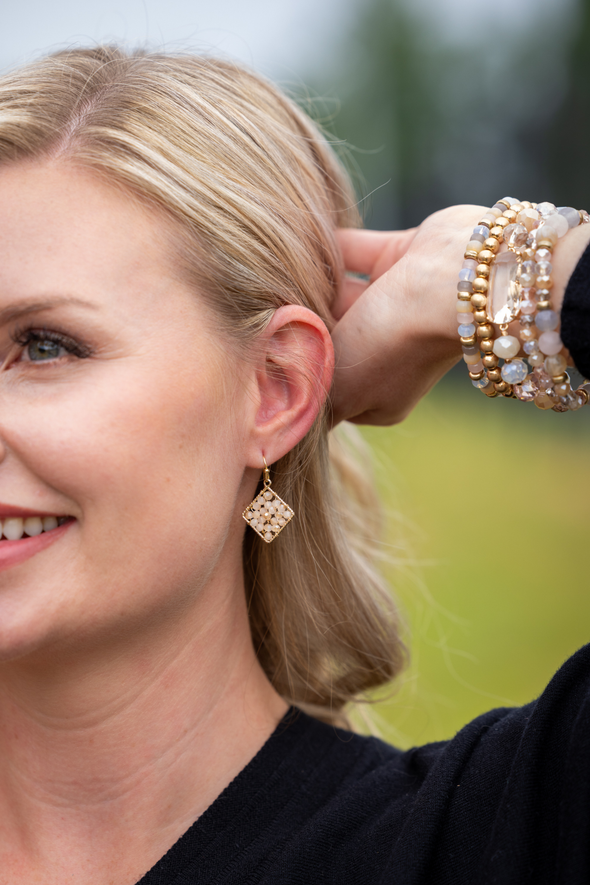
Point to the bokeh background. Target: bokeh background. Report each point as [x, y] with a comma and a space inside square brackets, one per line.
[433, 102]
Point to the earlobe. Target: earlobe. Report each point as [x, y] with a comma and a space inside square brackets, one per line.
[293, 379]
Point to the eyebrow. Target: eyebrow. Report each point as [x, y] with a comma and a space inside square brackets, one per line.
[17, 311]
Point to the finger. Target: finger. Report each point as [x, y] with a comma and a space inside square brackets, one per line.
[350, 290]
[363, 249]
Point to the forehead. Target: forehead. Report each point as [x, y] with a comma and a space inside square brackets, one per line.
[65, 228]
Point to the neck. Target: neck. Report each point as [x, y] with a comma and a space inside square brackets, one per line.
[131, 744]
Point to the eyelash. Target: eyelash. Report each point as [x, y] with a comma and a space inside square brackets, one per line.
[23, 337]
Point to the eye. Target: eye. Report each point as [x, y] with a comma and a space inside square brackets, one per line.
[44, 349]
[46, 345]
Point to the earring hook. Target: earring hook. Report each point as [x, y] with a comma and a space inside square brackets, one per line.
[266, 473]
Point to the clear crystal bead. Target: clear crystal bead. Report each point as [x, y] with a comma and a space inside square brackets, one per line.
[504, 303]
[546, 209]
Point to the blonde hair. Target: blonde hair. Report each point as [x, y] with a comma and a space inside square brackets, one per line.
[258, 193]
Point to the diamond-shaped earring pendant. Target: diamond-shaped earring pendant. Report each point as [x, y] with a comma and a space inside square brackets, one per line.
[268, 514]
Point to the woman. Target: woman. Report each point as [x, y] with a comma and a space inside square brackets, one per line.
[170, 276]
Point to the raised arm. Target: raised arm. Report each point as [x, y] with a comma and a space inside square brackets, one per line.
[396, 334]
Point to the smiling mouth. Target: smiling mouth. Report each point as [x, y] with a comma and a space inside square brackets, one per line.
[13, 528]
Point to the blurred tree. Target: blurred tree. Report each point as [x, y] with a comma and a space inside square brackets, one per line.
[432, 118]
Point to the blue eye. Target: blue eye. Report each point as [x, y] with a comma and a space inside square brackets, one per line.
[44, 349]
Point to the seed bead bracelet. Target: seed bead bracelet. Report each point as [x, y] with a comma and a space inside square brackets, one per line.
[519, 287]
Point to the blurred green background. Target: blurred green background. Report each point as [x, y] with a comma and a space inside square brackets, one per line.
[489, 501]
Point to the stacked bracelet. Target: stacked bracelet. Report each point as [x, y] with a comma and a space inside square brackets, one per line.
[516, 285]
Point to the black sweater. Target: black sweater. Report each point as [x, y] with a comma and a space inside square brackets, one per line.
[505, 802]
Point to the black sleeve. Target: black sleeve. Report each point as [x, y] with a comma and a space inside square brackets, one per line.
[575, 315]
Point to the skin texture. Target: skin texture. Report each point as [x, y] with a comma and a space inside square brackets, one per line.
[396, 334]
[130, 694]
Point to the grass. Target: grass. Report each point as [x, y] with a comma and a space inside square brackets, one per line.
[495, 504]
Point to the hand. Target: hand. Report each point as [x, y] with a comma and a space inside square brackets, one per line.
[396, 334]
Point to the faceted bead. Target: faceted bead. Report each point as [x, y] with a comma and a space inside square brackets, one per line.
[563, 389]
[571, 215]
[527, 307]
[544, 282]
[543, 268]
[523, 395]
[527, 333]
[546, 209]
[516, 236]
[543, 255]
[526, 320]
[547, 320]
[505, 291]
[467, 273]
[550, 343]
[514, 372]
[536, 358]
[545, 232]
[555, 365]
[527, 280]
[531, 346]
[529, 218]
[507, 346]
[542, 294]
[543, 401]
[466, 330]
[529, 386]
[575, 404]
[585, 216]
[480, 382]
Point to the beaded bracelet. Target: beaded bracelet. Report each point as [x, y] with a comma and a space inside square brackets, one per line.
[518, 287]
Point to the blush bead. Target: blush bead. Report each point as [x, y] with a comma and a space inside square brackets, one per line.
[536, 359]
[543, 255]
[527, 307]
[550, 343]
[473, 360]
[469, 264]
[527, 333]
[507, 346]
[531, 346]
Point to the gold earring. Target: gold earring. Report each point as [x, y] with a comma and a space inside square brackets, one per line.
[268, 514]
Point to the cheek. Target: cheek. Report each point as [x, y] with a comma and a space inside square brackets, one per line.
[150, 469]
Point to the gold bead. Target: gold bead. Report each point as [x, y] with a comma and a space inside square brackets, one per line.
[504, 203]
[482, 270]
[491, 391]
[486, 256]
[560, 379]
[470, 254]
[510, 214]
[517, 207]
[543, 305]
[486, 344]
[528, 254]
[484, 223]
[509, 392]
[495, 374]
[475, 376]
[526, 205]
[486, 330]
[583, 394]
[545, 244]
[490, 360]
[478, 300]
[500, 386]
[468, 342]
[480, 285]
[464, 296]
[480, 316]
[497, 232]
[492, 244]
[502, 222]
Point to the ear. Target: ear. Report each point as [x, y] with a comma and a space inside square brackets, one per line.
[293, 377]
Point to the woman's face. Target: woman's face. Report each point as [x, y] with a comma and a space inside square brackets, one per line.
[118, 410]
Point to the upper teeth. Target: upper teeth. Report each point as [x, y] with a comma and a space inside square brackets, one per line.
[13, 528]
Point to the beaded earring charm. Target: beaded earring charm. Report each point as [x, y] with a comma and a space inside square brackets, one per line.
[268, 514]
